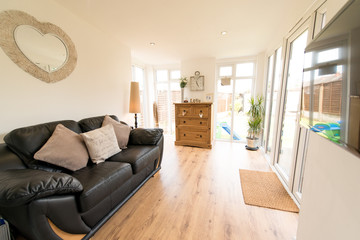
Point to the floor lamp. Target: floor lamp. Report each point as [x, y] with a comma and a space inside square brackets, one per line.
[134, 100]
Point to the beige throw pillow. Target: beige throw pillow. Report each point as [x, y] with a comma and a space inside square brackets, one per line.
[101, 143]
[122, 131]
[64, 148]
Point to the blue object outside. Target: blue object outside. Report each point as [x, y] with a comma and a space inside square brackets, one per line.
[227, 128]
[328, 130]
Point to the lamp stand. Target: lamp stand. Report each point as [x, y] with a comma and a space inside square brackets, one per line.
[135, 120]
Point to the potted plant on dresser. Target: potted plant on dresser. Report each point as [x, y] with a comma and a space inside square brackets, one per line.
[256, 115]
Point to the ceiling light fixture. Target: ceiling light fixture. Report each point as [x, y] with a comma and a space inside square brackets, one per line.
[152, 44]
[223, 32]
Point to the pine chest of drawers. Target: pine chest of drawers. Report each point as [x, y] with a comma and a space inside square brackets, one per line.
[193, 124]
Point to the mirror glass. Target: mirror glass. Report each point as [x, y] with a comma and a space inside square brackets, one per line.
[47, 51]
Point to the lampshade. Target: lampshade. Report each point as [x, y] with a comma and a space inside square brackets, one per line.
[134, 98]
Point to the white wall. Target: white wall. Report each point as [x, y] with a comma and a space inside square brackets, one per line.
[99, 84]
[331, 193]
[206, 67]
[259, 88]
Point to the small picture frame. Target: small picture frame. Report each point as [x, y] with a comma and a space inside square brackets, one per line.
[209, 97]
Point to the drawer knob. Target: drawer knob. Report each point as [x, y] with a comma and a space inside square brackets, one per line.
[184, 121]
[200, 122]
[201, 136]
[184, 134]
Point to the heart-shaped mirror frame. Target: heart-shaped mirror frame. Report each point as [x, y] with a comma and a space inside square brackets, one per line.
[9, 21]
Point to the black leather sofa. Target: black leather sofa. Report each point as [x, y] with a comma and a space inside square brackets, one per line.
[80, 202]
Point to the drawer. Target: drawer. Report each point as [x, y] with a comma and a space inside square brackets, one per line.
[182, 111]
[196, 122]
[193, 136]
[200, 111]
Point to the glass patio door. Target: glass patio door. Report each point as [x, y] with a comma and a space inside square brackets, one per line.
[234, 89]
[289, 128]
[272, 94]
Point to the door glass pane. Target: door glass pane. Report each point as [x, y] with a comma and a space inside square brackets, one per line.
[225, 71]
[175, 98]
[162, 101]
[161, 75]
[268, 97]
[291, 104]
[224, 105]
[245, 69]
[175, 74]
[276, 89]
[241, 107]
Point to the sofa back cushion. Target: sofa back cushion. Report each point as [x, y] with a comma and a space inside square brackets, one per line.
[122, 131]
[64, 148]
[89, 124]
[26, 141]
[101, 143]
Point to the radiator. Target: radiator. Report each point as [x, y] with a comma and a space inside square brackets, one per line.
[4, 230]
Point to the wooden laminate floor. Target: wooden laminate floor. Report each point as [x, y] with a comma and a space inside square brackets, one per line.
[197, 195]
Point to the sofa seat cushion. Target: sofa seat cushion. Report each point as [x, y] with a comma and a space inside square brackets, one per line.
[139, 156]
[100, 180]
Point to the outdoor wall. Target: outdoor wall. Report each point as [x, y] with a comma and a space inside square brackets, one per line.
[331, 193]
[99, 84]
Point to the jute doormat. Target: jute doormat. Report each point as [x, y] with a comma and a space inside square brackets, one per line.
[264, 189]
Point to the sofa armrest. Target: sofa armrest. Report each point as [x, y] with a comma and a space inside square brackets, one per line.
[145, 136]
[20, 186]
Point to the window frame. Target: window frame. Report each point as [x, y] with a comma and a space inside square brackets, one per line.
[170, 129]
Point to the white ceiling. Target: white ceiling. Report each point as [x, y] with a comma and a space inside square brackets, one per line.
[187, 29]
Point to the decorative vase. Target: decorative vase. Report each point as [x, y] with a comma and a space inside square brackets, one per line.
[182, 95]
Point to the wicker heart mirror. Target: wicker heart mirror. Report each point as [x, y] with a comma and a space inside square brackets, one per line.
[41, 49]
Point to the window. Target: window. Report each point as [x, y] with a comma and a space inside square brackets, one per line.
[234, 89]
[168, 92]
[320, 19]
